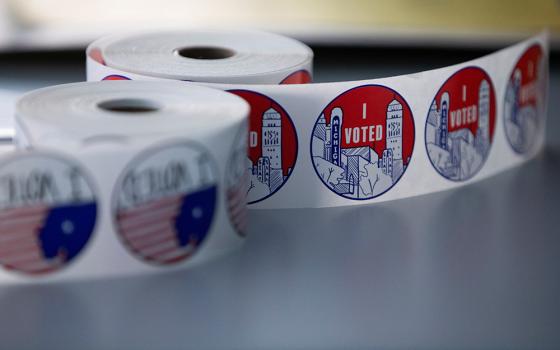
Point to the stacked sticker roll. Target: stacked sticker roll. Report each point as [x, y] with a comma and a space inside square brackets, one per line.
[120, 178]
[350, 143]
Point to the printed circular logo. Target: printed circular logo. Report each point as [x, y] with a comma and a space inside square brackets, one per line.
[237, 180]
[272, 146]
[460, 124]
[524, 100]
[47, 212]
[362, 142]
[165, 202]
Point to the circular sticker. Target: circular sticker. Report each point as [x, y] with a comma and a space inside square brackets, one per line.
[460, 124]
[165, 201]
[272, 146]
[299, 77]
[237, 180]
[362, 142]
[47, 212]
[115, 77]
[524, 99]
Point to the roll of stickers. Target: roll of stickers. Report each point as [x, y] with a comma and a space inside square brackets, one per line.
[202, 56]
[120, 178]
[350, 143]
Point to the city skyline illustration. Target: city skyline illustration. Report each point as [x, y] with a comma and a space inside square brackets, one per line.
[269, 172]
[272, 144]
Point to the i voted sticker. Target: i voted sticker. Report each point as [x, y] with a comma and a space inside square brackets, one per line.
[524, 100]
[460, 124]
[362, 142]
[48, 212]
[273, 146]
[165, 202]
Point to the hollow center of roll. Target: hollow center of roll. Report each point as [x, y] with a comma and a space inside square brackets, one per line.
[205, 52]
[129, 105]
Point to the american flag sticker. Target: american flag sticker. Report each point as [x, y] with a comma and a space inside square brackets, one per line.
[47, 213]
[237, 181]
[165, 202]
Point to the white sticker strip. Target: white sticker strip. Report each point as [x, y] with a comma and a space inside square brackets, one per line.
[350, 143]
[121, 178]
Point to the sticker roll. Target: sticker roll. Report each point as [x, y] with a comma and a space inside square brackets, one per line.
[120, 178]
[356, 142]
[232, 57]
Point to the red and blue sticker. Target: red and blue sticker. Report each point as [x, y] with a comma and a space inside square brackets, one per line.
[165, 202]
[273, 146]
[48, 212]
[362, 142]
[460, 124]
[524, 99]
